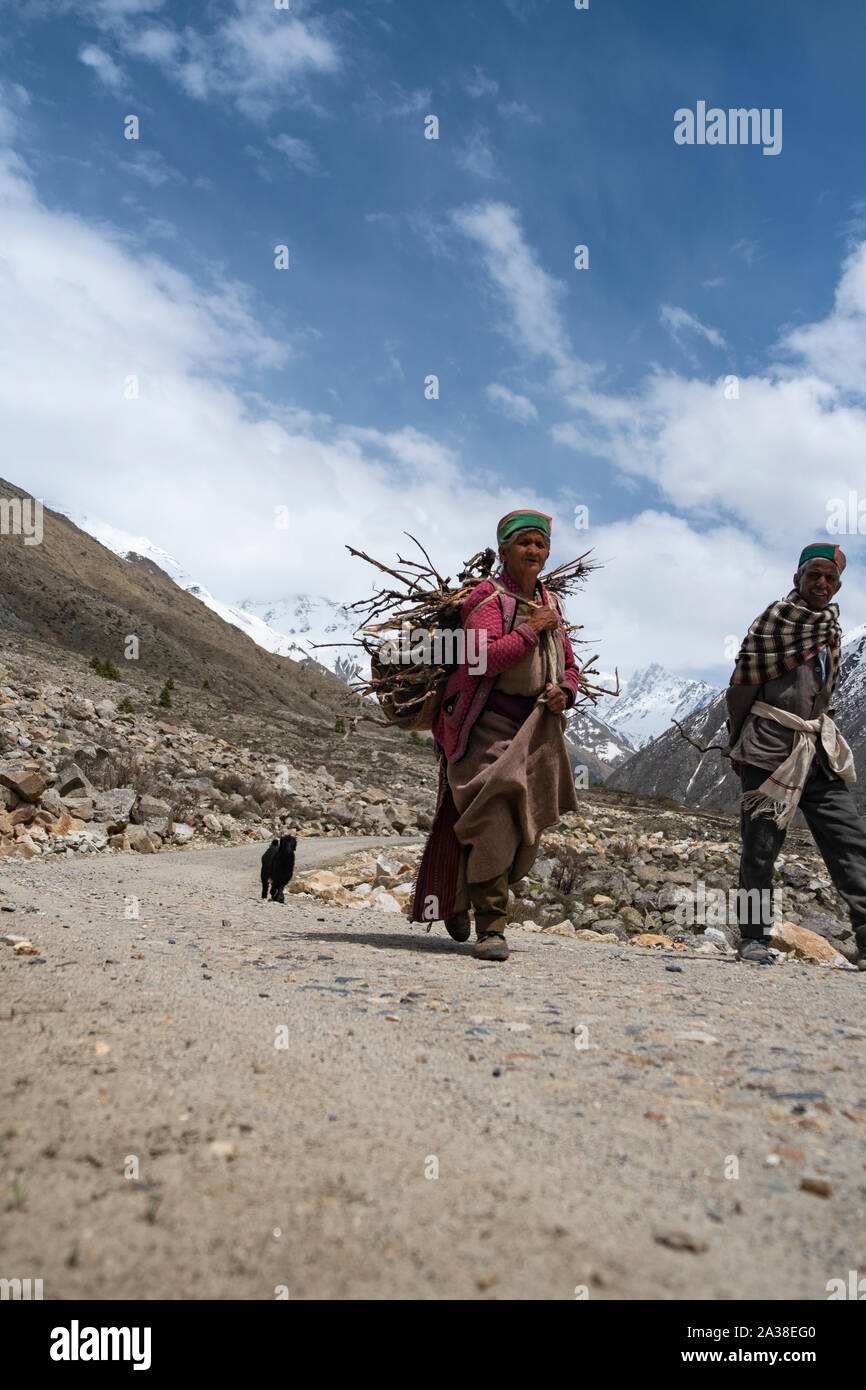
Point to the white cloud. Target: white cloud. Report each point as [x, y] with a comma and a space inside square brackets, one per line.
[253, 54]
[193, 462]
[835, 348]
[151, 166]
[157, 44]
[515, 406]
[745, 248]
[300, 155]
[397, 103]
[102, 63]
[517, 110]
[766, 453]
[476, 155]
[14, 101]
[532, 295]
[478, 84]
[680, 321]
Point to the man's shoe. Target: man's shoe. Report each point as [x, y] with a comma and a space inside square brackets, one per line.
[754, 951]
[458, 926]
[491, 946]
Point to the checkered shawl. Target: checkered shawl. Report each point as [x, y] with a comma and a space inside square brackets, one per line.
[785, 635]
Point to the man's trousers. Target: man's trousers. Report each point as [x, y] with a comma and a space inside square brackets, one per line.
[838, 830]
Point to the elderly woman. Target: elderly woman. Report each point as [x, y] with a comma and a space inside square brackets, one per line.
[504, 773]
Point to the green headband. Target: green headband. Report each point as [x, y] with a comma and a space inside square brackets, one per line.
[521, 521]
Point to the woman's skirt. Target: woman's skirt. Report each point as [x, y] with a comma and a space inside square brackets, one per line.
[513, 782]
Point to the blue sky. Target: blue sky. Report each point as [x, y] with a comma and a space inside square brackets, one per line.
[305, 387]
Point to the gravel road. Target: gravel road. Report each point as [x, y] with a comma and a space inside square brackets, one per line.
[225, 1098]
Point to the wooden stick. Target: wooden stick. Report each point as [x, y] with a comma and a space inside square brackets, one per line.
[719, 746]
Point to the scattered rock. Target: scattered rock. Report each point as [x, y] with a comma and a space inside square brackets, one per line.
[805, 945]
[681, 1240]
[813, 1182]
[27, 785]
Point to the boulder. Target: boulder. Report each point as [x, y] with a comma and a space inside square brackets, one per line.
[839, 934]
[375, 821]
[391, 866]
[563, 928]
[51, 801]
[210, 822]
[383, 901]
[23, 814]
[322, 884]
[80, 806]
[152, 808]
[64, 825]
[804, 945]
[106, 709]
[401, 817]
[141, 839]
[26, 784]
[182, 834]
[114, 805]
[71, 779]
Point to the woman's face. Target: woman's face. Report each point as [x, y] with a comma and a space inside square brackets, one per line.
[525, 557]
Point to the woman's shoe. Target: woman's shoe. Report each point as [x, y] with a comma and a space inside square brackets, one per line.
[754, 951]
[458, 926]
[491, 946]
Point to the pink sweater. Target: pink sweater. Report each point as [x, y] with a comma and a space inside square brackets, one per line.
[467, 692]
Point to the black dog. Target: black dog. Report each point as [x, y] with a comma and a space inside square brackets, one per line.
[278, 865]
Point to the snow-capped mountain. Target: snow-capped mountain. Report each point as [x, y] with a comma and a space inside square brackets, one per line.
[594, 744]
[310, 621]
[647, 702]
[297, 623]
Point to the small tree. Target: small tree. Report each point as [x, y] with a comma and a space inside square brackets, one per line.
[339, 725]
[126, 705]
[164, 697]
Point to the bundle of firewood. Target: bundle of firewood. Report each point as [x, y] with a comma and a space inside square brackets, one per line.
[420, 602]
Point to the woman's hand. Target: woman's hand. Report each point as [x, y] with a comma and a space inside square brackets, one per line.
[557, 699]
[542, 619]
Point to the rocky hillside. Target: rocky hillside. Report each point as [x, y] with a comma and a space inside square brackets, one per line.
[73, 592]
[669, 766]
[593, 745]
[90, 764]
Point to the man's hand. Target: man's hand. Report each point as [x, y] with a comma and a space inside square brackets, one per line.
[557, 699]
[542, 619]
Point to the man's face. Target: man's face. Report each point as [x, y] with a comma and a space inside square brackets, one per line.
[818, 583]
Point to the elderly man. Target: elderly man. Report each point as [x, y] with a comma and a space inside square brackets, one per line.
[787, 750]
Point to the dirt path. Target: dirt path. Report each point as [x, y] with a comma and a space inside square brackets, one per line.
[305, 1165]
